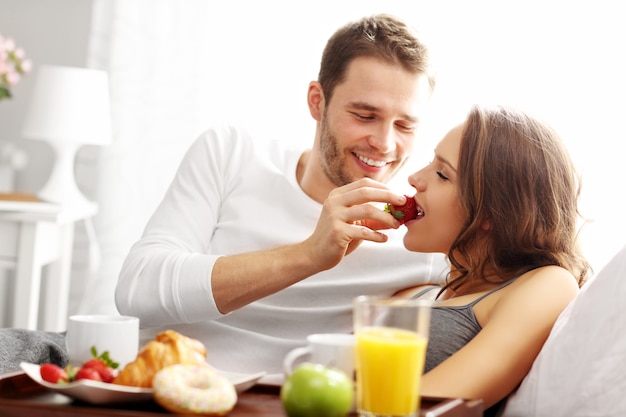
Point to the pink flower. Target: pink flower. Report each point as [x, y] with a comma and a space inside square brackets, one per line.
[9, 44]
[12, 77]
[13, 64]
[27, 66]
[19, 53]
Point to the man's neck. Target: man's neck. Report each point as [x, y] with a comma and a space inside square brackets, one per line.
[311, 178]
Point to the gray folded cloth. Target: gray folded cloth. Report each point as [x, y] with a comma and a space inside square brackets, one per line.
[34, 346]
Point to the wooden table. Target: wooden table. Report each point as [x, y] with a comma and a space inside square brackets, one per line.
[20, 396]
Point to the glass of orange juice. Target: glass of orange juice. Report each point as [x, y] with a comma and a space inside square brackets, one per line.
[391, 338]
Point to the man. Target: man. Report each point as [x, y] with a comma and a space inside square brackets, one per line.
[254, 246]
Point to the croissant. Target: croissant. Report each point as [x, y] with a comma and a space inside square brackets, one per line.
[168, 348]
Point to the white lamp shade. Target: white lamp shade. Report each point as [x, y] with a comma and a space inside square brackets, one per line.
[69, 108]
[70, 105]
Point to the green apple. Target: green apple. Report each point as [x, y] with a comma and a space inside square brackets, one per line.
[314, 390]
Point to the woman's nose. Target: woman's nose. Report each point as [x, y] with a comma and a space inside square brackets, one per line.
[417, 181]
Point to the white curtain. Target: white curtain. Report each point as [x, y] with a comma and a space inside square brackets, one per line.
[177, 67]
[152, 50]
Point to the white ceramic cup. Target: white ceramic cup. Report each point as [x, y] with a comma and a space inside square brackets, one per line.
[119, 335]
[329, 349]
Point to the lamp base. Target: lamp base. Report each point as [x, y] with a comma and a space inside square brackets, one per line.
[61, 187]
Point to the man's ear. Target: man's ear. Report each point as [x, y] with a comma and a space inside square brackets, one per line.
[315, 100]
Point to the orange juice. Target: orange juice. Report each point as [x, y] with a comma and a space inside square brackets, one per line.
[389, 366]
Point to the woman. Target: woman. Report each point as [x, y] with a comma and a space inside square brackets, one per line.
[500, 199]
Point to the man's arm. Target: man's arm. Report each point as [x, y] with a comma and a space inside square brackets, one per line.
[238, 280]
[167, 279]
[177, 274]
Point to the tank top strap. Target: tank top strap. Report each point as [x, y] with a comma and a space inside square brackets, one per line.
[424, 291]
[499, 287]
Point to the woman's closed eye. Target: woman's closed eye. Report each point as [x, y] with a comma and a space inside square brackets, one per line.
[442, 176]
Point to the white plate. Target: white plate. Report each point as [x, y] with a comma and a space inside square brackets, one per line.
[96, 392]
[242, 382]
[272, 380]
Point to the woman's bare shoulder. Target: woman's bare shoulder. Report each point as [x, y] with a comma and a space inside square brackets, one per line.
[547, 279]
[544, 291]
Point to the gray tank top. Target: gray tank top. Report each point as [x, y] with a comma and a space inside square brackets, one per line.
[451, 328]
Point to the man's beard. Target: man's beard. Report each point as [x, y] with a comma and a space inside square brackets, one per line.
[333, 162]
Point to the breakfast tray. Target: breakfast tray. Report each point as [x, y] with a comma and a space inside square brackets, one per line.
[20, 396]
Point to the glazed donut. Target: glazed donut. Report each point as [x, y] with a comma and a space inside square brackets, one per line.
[193, 389]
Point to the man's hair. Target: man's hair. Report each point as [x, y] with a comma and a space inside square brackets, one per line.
[380, 36]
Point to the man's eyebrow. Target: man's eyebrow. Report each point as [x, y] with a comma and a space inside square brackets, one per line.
[360, 105]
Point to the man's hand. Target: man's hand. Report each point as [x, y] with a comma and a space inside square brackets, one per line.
[349, 217]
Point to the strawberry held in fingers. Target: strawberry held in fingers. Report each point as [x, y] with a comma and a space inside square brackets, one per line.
[404, 213]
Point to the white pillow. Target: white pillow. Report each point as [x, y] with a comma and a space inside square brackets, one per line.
[581, 369]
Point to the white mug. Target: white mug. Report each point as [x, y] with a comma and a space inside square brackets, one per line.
[119, 335]
[330, 349]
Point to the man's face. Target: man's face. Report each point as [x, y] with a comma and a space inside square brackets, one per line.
[369, 126]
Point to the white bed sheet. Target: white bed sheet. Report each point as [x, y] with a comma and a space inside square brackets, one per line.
[581, 369]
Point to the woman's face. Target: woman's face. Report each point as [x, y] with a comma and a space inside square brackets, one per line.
[437, 198]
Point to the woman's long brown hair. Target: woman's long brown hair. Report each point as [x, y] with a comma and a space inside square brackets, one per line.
[516, 177]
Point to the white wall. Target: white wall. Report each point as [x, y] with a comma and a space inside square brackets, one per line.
[51, 32]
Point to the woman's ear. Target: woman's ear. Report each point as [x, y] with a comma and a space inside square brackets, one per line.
[315, 100]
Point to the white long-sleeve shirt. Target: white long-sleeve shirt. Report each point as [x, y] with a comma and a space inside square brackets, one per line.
[231, 195]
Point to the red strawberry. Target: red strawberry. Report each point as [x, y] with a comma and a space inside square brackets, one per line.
[403, 213]
[52, 373]
[106, 373]
[88, 373]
